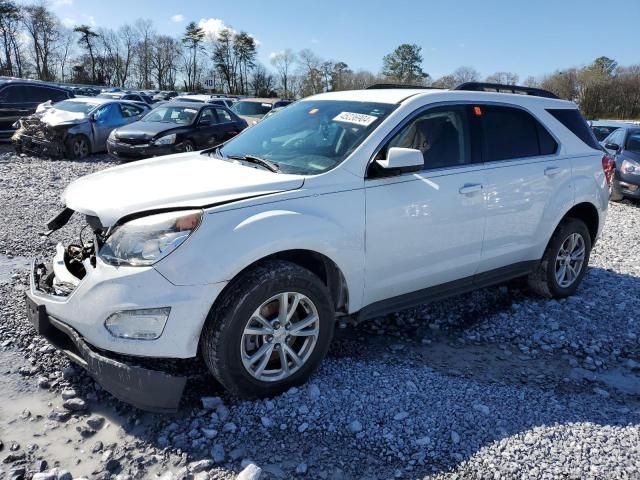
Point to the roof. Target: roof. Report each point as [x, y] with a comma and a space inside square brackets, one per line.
[194, 105]
[398, 95]
[261, 100]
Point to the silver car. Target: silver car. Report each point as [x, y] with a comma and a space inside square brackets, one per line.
[74, 128]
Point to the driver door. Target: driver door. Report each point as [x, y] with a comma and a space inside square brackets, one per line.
[106, 119]
[425, 228]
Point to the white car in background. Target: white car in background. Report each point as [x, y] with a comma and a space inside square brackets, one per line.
[346, 203]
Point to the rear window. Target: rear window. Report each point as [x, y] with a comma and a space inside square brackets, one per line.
[513, 133]
[574, 121]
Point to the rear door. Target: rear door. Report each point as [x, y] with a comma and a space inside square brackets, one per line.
[525, 176]
[12, 107]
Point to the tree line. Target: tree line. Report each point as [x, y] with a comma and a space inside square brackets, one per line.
[34, 43]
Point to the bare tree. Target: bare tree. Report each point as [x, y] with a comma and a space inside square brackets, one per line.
[42, 26]
[9, 27]
[64, 50]
[283, 63]
[505, 78]
[144, 49]
[466, 74]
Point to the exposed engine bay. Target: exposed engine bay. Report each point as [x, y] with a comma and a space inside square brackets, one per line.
[35, 136]
[71, 262]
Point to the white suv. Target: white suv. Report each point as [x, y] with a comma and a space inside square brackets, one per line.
[346, 203]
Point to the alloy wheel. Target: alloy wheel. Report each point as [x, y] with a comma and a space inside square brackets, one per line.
[570, 260]
[280, 336]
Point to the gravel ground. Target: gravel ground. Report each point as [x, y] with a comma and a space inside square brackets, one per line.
[496, 384]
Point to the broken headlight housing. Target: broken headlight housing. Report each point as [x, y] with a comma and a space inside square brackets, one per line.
[146, 240]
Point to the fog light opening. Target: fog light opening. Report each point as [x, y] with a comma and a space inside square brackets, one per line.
[142, 324]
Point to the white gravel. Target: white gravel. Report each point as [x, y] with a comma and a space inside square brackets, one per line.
[496, 384]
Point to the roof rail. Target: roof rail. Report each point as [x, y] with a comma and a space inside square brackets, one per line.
[502, 88]
[382, 86]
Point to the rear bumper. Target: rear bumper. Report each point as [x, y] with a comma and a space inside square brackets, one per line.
[144, 388]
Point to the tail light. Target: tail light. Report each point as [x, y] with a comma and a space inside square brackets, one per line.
[608, 166]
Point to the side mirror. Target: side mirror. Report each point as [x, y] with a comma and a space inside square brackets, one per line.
[612, 146]
[403, 160]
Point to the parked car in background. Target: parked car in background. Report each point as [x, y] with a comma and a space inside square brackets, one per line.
[175, 127]
[357, 203]
[624, 147]
[20, 98]
[603, 128]
[134, 97]
[254, 109]
[74, 128]
[163, 96]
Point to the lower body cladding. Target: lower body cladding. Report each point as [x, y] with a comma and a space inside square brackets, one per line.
[135, 152]
[74, 319]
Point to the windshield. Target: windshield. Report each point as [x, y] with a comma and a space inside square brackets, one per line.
[177, 115]
[251, 109]
[78, 107]
[309, 137]
[602, 132]
[633, 142]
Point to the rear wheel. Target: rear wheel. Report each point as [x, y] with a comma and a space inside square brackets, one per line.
[77, 147]
[270, 331]
[565, 261]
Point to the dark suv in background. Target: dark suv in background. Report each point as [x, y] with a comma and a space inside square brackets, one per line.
[20, 98]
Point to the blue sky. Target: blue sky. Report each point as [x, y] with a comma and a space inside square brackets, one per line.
[529, 38]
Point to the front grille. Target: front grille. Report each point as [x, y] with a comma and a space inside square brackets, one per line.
[133, 141]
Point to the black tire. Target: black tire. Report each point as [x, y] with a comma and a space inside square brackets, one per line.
[543, 279]
[77, 147]
[188, 146]
[223, 330]
[615, 192]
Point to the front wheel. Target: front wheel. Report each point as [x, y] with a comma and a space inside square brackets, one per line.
[77, 147]
[188, 146]
[615, 191]
[270, 331]
[564, 262]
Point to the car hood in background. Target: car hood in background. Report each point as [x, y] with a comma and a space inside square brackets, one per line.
[146, 130]
[173, 181]
[52, 116]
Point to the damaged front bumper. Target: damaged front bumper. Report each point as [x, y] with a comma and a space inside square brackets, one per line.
[36, 137]
[141, 387]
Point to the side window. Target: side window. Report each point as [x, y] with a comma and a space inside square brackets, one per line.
[208, 116]
[513, 133]
[108, 114]
[130, 110]
[574, 121]
[39, 94]
[13, 94]
[223, 115]
[441, 134]
[618, 137]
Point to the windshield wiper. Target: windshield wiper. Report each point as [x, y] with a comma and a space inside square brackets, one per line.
[269, 165]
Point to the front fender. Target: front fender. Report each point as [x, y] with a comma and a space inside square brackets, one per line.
[228, 241]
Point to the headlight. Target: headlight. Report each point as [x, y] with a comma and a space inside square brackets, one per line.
[631, 167]
[166, 140]
[144, 324]
[146, 240]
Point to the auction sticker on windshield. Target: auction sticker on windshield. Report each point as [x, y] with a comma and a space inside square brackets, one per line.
[355, 118]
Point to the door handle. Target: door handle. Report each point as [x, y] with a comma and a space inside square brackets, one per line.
[470, 188]
[551, 171]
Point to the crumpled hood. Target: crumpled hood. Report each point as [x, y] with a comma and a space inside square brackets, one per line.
[52, 117]
[173, 181]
